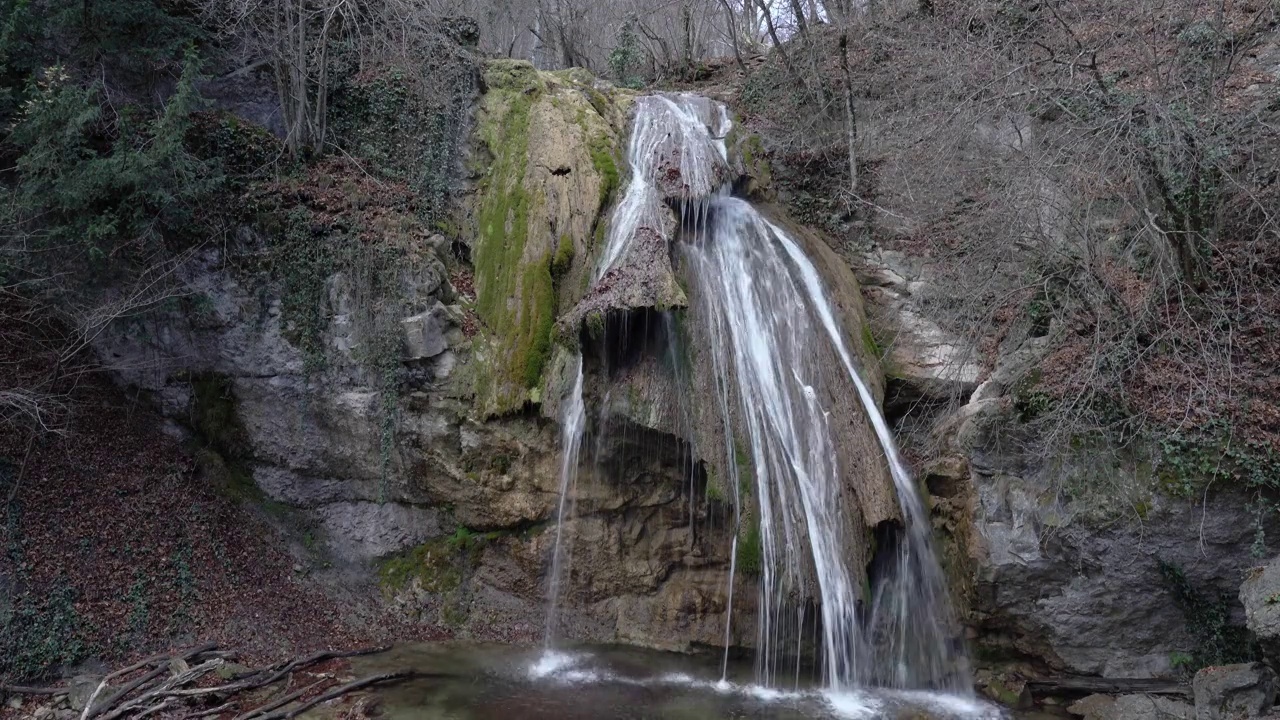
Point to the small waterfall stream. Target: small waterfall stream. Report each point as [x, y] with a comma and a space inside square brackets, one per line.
[765, 308]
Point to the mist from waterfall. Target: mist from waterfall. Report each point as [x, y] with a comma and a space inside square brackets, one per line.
[766, 311]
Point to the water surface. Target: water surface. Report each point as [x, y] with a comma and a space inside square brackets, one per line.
[502, 682]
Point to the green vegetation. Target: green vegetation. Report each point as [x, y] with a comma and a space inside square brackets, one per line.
[516, 298]
[438, 565]
[213, 414]
[746, 470]
[1192, 460]
[626, 56]
[38, 631]
[38, 634]
[751, 550]
[563, 259]
[103, 195]
[869, 342]
[601, 148]
[714, 492]
[1208, 616]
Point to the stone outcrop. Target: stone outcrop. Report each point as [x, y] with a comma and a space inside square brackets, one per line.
[1074, 580]
[1233, 692]
[644, 279]
[1260, 595]
[444, 487]
[926, 361]
[545, 170]
[1132, 707]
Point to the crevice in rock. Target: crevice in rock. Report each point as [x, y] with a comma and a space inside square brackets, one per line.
[624, 338]
[883, 566]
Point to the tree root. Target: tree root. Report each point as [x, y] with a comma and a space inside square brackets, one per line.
[176, 684]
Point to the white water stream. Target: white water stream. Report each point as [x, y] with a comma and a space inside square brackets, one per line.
[766, 310]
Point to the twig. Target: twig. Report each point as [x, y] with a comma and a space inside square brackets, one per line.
[212, 711]
[315, 658]
[282, 701]
[338, 692]
[89, 707]
[165, 689]
[92, 709]
[27, 690]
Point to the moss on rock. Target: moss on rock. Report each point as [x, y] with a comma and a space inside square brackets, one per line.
[512, 76]
[516, 297]
[537, 212]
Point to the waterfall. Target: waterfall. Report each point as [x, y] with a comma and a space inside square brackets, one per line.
[658, 119]
[779, 364]
[573, 418]
[766, 311]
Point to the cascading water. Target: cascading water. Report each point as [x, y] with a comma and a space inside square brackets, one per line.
[658, 118]
[765, 310]
[572, 423]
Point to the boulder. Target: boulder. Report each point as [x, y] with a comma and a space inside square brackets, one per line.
[1260, 595]
[1230, 692]
[1132, 707]
[81, 690]
[425, 334]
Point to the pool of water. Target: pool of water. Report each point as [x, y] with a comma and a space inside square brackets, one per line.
[503, 682]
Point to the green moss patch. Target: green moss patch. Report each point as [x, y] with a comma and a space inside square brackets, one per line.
[515, 293]
[437, 565]
[512, 75]
[751, 550]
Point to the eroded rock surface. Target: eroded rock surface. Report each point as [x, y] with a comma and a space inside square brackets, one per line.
[1260, 595]
[1232, 692]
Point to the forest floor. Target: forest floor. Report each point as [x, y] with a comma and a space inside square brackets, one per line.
[116, 546]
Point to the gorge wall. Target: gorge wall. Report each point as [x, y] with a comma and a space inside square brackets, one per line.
[435, 476]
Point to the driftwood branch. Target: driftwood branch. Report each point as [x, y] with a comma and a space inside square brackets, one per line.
[337, 693]
[177, 683]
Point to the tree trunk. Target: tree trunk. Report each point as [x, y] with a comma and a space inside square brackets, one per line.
[850, 116]
[798, 10]
[777, 44]
[733, 36]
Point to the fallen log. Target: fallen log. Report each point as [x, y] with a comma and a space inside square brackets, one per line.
[1107, 686]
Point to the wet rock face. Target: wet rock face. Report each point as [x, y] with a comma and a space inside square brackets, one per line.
[673, 144]
[643, 279]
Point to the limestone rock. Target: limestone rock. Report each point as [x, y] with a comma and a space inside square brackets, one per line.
[1078, 584]
[1231, 692]
[928, 361]
[642, 279]
[364, 530]
[1260, 595]
[80, 689]
[533, 217]
[1132, 707]
[687, 164]
[425, 334]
